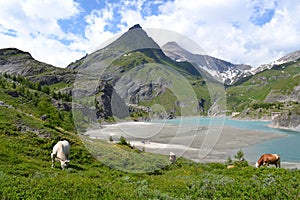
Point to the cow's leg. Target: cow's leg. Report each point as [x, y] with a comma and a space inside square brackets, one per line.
[53, 159]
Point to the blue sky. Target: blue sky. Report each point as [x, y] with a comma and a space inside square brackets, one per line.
[240, 31]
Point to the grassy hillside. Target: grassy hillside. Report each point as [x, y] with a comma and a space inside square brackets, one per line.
[33, 100]
[26, 173]
[257, 94]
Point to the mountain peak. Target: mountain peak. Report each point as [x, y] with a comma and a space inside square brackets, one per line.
[176, 52]
[135, 27]
[174, 46]
[173, 43]
[135, 38]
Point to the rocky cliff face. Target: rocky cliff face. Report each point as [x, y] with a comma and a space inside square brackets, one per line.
[15, 61]
[278, 96]
[287, 120]
[110, 103]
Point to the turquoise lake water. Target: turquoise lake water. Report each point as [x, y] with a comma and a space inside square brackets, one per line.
[288, 147]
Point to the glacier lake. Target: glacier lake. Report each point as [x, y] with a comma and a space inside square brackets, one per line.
[288, 147]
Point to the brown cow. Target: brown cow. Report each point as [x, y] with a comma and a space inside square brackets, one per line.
[267, 159]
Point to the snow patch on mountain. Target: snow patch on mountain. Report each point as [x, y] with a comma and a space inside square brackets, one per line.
[221, 70]
[291, 57]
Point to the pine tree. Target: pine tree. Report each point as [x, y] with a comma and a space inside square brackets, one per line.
[239, 155]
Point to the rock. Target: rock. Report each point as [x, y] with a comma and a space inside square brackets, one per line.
[172, 157]
[12, 93]
[110, 103]
[64, 106]
[5, 105]
[286, 120]
[135, 26]
[43, 117]
[277, 96]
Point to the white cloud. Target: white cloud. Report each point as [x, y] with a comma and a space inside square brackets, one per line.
[35, 27]
[36, 16]
[229, 29]
[49, 10]
[224, 28]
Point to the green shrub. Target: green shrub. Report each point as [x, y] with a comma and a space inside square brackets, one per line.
[229, 161]
[239, 155]
[123, 141]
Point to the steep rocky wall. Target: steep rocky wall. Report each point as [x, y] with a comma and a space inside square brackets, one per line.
[287, 120]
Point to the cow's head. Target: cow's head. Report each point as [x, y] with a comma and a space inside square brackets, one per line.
[256, 165]
[64, 163]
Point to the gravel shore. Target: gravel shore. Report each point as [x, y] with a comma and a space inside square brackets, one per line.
[198, 143]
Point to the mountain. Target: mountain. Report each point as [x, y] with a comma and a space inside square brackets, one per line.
[272, 94]
[140, 74]
[135, 38]
[98, 83]
[291, 57]
[20, 63]
[221, 70]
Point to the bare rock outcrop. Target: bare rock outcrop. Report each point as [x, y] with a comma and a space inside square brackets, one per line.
[287, 120]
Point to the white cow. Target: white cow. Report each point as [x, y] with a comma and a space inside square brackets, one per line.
[61, 152]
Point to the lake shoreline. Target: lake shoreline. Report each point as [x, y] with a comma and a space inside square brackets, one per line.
[266, 120]
[190, 142]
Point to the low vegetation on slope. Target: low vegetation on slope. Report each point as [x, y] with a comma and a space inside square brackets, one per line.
[36, 101]
[26, 173]
[268, 91]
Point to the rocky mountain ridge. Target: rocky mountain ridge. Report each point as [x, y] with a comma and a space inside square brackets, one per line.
[221, 70]
[20, 63]
[289, 58]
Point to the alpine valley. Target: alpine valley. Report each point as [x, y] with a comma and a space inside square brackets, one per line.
[134, 79]
[132, 74]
